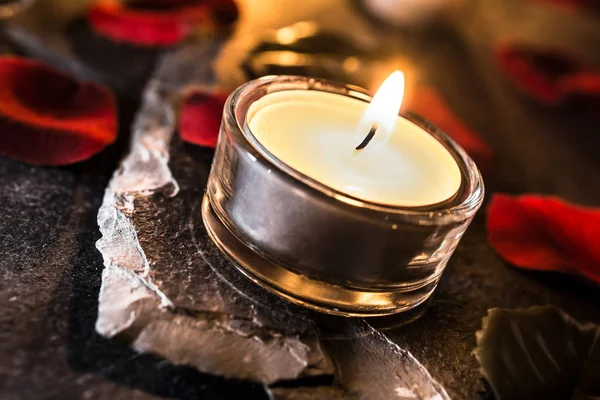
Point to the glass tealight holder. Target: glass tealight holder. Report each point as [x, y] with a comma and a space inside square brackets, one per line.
[319, 247]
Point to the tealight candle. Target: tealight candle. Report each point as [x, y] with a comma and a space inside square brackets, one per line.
[335, 203]
[313, 132]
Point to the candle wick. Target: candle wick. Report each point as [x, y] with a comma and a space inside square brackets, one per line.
[368, 138]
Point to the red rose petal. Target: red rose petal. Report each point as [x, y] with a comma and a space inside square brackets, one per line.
[532, 72]
[48, 117]
[545, 234]
[588, 83]
[201, 118]
[428, 103]
[149, 26]
[546, 75]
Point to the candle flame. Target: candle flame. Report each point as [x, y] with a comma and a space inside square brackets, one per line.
[382, 112]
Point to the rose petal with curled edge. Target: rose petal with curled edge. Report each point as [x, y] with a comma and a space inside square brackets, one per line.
[428, 103]
[48, 117]
[545, 234]
[201, 116]
[547, 75]
[156, 22]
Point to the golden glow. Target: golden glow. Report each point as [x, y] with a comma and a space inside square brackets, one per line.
[293, 33]
[286, 57]
[351, 65]
[286, 35]
[383, 111]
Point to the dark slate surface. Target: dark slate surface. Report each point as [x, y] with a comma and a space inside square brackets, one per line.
[50, 269]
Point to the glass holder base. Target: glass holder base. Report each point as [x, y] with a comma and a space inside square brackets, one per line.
[347, 300]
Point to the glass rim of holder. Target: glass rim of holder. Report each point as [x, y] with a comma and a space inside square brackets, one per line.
[269, 241]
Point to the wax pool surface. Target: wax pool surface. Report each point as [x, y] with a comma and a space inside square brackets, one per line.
[314, 133]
